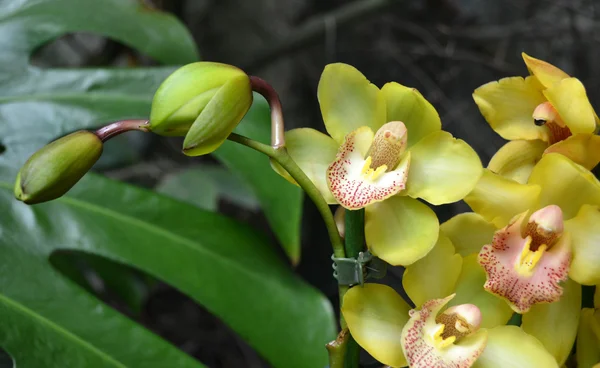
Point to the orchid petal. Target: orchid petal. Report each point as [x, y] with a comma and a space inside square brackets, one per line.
[508, 105]
[433, 276]
[348, 101]
[570, 100]
[376, 315]
[351, 180]
[585, 237]
[421, 348]
[443, 169]
[511, 347]
[545, 72]
[407, 105]
[587, 349]
[468, 232]
[508, 275]
[516, 159]
[498, 199]
[583, 149]
[565, 184]
[400, 230]
[555, 324]
[313, 151]
[469, 289]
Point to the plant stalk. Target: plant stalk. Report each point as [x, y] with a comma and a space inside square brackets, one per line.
[112, 130]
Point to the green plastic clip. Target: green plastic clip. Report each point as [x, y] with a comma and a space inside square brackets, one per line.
[352, 271]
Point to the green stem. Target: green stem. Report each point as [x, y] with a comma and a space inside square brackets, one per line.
[281, 156]
[337, 349]
[355, 243]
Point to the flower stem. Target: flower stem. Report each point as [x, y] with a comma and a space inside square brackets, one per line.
[281, 156]
[111, 130]
[355, 243]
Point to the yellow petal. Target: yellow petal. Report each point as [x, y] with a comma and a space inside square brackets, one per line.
[587, 350]
[545, 72]
[555, 324]
[443, 169]
[565, 184]
[511, 347]
[570, 100]
[498, 199]
[400, 230]
[469, 289]
[433, 276]
[348, 101]
[376, 315]
[508, 105]
[468, 232]
[516, 159]
[407, 105]
[585, 235]
[313, 151]
[583, 149]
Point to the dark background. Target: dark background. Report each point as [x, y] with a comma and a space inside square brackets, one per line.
[443, 48]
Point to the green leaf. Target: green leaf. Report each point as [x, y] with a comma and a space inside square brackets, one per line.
[204, 185]
[281, 201]
[222, 264]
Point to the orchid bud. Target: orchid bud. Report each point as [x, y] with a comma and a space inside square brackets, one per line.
[202, 101]
[53, 170]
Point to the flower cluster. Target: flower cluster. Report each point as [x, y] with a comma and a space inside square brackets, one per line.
[497, 287]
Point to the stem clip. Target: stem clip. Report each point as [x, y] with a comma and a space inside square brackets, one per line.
[352, 271]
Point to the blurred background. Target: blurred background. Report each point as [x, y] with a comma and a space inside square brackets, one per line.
[444, 48]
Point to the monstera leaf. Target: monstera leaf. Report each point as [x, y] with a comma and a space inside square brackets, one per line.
[49, 320]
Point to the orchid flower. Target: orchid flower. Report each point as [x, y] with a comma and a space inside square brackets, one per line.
[457, 324]
[530, 239]
[546, 112]
[384, 150]
[587, 350]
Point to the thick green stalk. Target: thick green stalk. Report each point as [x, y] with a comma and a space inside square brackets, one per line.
[354, 235]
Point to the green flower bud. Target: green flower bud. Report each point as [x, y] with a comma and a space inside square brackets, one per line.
[204, 101]
[52, 171]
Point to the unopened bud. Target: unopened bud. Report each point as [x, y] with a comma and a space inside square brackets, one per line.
[203, 101]
[53, 170]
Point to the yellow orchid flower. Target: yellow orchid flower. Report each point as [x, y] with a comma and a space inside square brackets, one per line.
[546, 112]
[470, 332]
[384, 150]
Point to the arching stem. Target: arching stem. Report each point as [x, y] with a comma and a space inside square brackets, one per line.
[112, 130]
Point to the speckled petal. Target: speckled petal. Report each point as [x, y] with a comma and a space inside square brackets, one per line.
[511, 347]
[313, 151]
[498, 199]
[348, 101]
[570, 100]
[351, 181]
[469, 289]
[555, 324]
[545, 72]
[522, 289]
[422, 351]
[433, 276]
[468, 232]
[508, 105]
[516, 159]
[583, 149]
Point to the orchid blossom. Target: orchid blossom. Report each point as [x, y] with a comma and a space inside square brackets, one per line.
[536, 243]
[457, 324]
[384, 150]
[546, 112]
